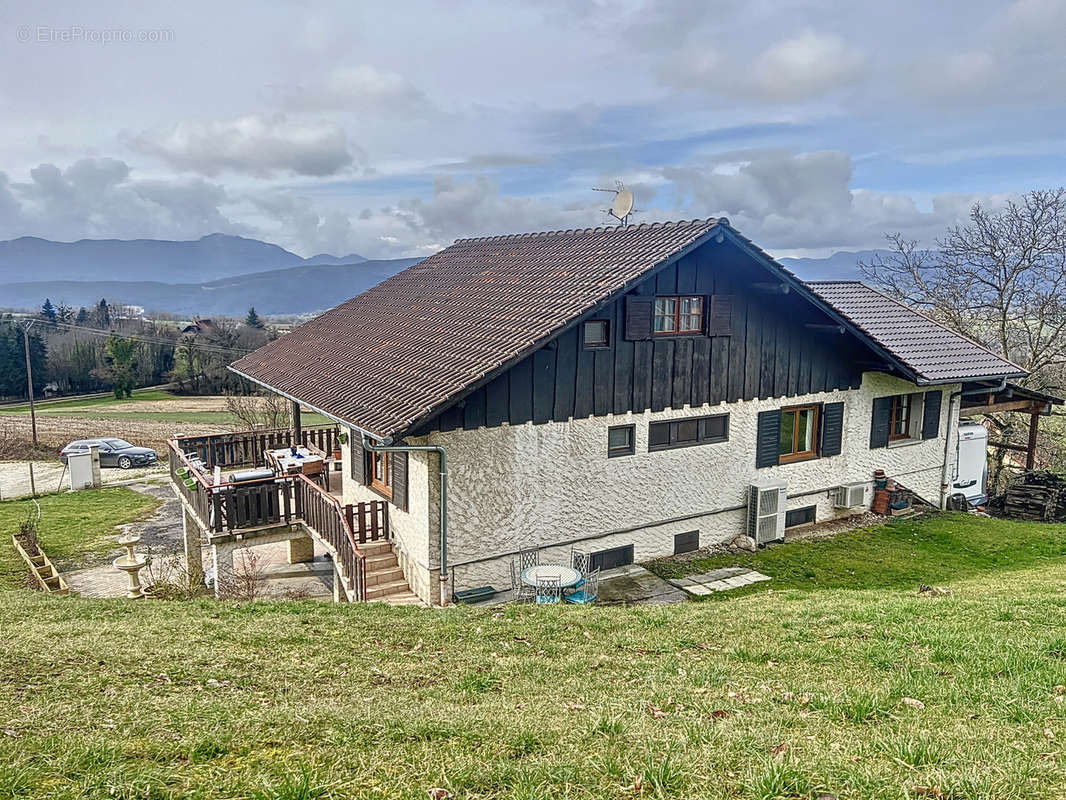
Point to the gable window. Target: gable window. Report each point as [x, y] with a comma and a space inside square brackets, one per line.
[595, 333]
[688, 432]
[380, 473]
[678, 315]
[620, 440]
[799, 433]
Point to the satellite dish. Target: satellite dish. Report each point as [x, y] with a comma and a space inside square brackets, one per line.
[622, 205]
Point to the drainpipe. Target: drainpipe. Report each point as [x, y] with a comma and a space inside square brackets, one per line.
[388, 447]
[945, 481]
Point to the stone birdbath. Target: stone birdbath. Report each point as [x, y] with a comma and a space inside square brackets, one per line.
[131, 564]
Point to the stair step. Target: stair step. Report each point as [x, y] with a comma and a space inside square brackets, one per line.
[380, 547]
[403, 599]
[384, 576]
[383, 561]
[382, 589]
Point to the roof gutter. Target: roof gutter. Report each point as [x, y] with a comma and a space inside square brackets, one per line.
[388, 447]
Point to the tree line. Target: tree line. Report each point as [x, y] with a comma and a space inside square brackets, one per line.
[106, 348]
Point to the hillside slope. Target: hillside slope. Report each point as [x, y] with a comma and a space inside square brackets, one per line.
[861, 694]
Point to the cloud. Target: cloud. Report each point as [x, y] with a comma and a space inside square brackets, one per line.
[362, 89]
[804, 201]
[97, 198]
[806, 66]
[260, 145]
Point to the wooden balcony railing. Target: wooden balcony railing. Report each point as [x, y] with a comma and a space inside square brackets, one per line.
[246, 448]
[222, 506]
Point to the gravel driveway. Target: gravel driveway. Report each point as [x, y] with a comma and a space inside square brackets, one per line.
[15, 476]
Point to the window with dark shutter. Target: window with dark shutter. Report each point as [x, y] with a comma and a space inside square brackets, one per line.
[880, 422]
[767, 439]
[721, 320]
[931, 414]
[358, 457]
[640, 313]
[398, 462]
[832, 429]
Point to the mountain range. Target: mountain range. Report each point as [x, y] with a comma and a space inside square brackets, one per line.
[225, 275]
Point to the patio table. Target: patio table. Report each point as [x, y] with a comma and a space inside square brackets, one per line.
[287, 462]
[567, 576]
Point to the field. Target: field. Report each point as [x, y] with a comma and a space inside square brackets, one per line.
[73, 528]
[148, 418]
[790, 693]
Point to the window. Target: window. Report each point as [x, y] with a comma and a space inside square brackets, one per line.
[686, 542]
[609, 559]
[904, 417]
[799, 516]
[678, 315]
[380, 473]
[799, 433]
[620, 441]
[688, 432]
[595, 333]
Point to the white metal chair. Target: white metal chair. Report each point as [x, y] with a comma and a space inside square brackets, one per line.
[549, 591]
[527, 559]
[588, 592]
[521, 592]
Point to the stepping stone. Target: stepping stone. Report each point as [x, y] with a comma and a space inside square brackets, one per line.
[697, 589]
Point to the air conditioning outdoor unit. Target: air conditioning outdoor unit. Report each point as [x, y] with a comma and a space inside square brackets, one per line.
[850, 495]
[767, 503]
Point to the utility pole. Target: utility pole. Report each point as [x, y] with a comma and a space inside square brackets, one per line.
[33, 410]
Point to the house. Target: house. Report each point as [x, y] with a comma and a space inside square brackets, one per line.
[620, 391]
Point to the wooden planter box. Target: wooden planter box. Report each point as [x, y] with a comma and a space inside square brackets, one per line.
[43, 570]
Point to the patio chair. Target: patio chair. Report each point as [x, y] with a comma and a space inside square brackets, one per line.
[588, 592]
[521, 592]
[527, 559]
[313, 469]
[549, 591]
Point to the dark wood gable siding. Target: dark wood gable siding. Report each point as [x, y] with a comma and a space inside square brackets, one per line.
[769, 353]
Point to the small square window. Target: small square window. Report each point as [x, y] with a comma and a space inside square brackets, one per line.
[620, 441]
[596, 333]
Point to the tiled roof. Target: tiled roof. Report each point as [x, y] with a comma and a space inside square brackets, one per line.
[932, 352]
[389, 357]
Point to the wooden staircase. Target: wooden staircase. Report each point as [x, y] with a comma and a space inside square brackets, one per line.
[384, 578]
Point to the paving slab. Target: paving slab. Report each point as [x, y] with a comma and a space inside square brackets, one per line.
[634, 585]
[717, 580]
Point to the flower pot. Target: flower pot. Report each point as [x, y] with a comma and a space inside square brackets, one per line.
[337, 454]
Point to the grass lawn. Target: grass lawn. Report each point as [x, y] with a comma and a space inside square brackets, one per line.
[861, 693]
[934, 549]
[73, 527]
[137, 407]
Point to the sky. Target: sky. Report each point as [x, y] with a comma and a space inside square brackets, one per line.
[391, 129]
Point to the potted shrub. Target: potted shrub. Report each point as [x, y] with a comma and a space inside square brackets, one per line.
[342, 439]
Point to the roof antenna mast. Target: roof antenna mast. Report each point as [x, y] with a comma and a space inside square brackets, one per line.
[622, 206]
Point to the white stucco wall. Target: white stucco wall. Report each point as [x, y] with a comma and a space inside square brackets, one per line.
[538, 485]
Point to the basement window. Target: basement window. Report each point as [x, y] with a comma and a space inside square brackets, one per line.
[800, 516]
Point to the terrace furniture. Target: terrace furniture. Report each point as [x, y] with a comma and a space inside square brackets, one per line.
[580, 562]
[528, 558]
[588, 592]
[549, 592]
[520, 590]
[289, 463]
[566, 577]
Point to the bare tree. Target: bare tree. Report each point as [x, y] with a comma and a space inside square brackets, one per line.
[998, 280]
[259, 411]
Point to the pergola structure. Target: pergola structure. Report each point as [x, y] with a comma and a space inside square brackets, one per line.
[1012, 398]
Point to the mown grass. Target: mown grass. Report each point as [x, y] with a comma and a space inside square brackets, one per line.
[72, 528]
[131, 409]
[780, 695]
[933, 549]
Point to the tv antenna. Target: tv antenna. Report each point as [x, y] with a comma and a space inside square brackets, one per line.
[622, 206]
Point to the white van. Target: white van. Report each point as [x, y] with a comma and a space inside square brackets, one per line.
[971, 466]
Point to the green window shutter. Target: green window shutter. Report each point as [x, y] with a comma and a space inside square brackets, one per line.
[358, 457]
[768, 439]
[880, 421]
[398, 462]
[931, 414]
[832, 428]
[639, 318]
